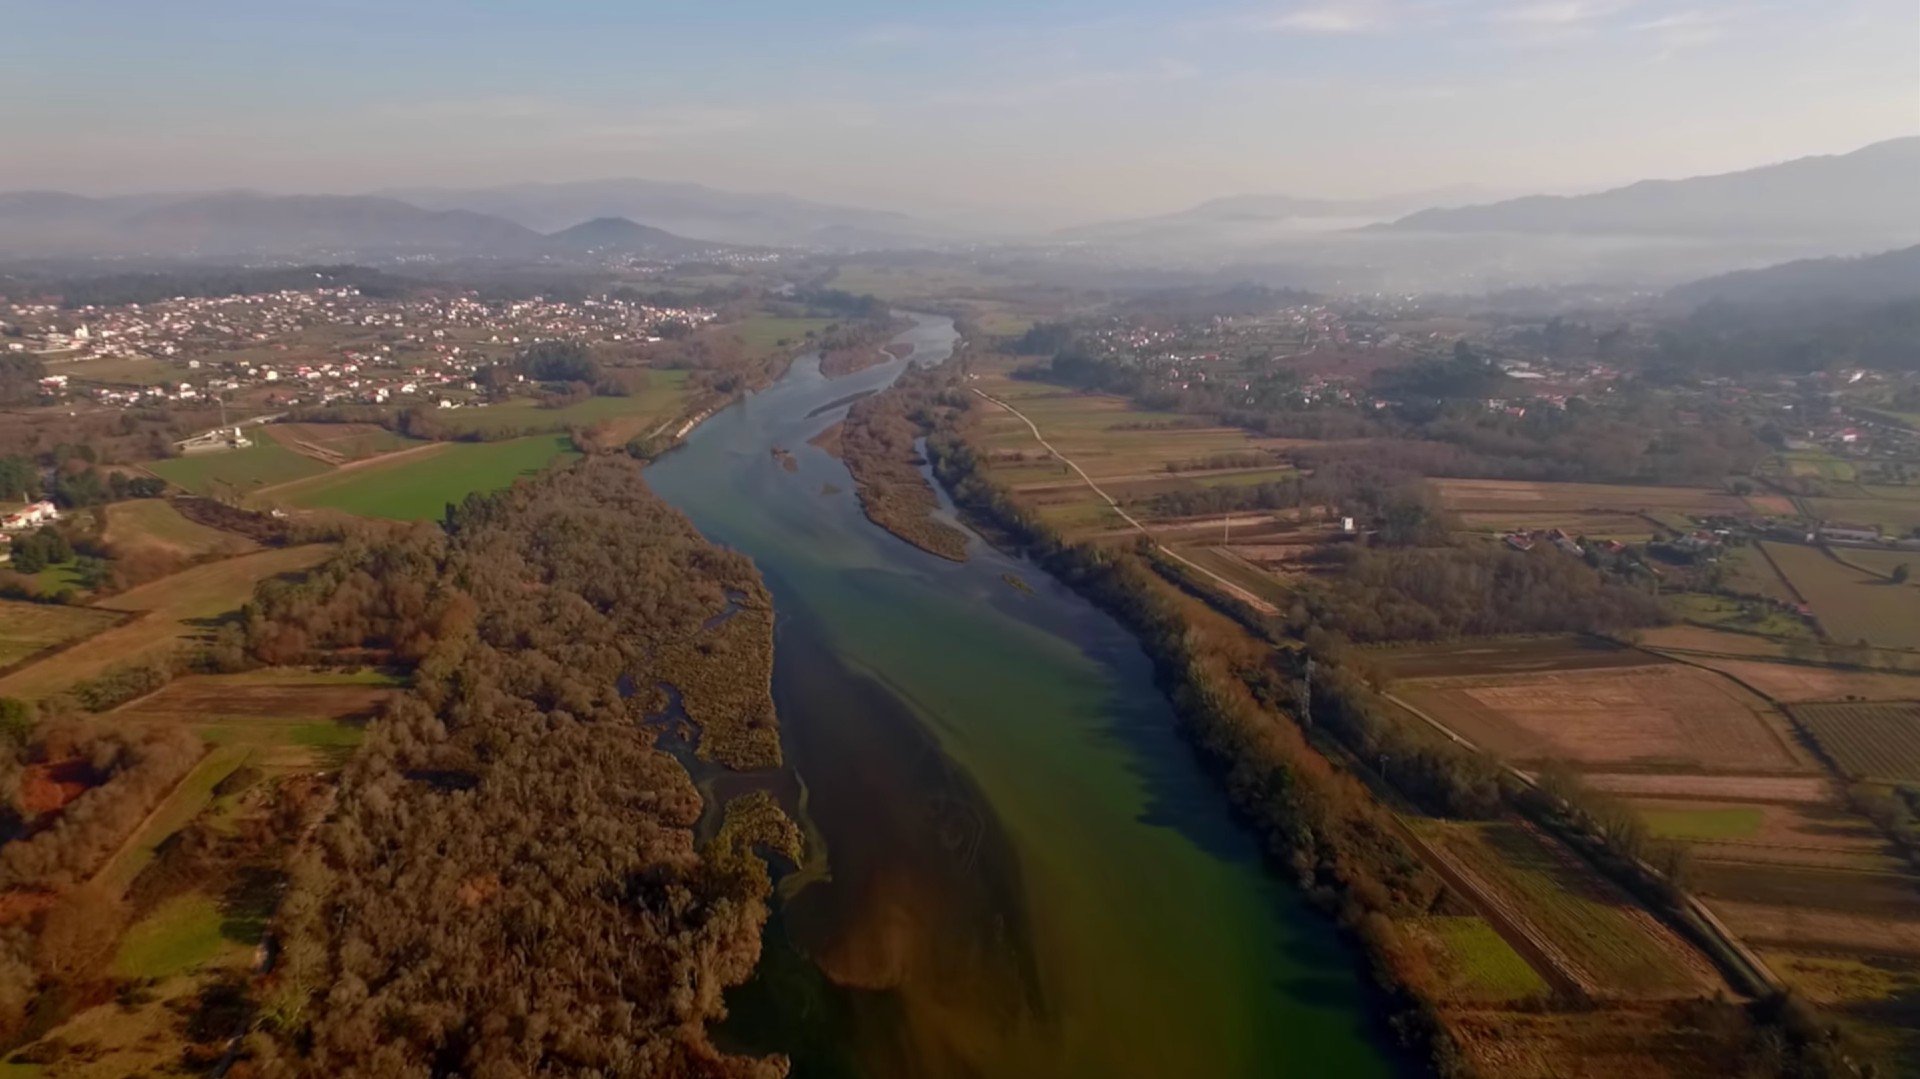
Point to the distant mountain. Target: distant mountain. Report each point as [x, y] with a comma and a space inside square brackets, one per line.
[1250, 220]
[619, 236]
[248, 224]
[690, 210]
[1871, 279]
[1849, 202]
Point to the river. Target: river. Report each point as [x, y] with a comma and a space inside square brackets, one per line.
[1016, 866]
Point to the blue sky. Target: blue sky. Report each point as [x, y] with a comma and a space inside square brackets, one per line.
[1074, 108]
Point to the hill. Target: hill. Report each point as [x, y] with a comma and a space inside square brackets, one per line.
[1856, 201]
[1871, 279]
[688, 210]
[241, 223]
[618, 235]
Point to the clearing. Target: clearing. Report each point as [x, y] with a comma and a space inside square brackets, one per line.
[154, 523]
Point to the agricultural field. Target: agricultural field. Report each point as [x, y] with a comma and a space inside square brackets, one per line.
[1798, 683]
[418, 485]
[1867, 741]
[1595, 934]
[1749, 573]
[154, 523]
[1475, 963]
[283, 720]
[266, 463]
[27, 629]
[1664, 715]
[1899, 516]
[665, 395]
[119, 372]
[1740, 615]
[763, 333]
[171, 611]
[337, 443]
[1882, 563]
[1490, 500]
[1851, 604]
[1814, 790]
[1808, 834]
[1503, 655]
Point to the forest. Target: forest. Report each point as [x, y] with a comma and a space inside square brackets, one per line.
[510, 884]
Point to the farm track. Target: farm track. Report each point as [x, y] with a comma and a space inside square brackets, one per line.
[1232, 589]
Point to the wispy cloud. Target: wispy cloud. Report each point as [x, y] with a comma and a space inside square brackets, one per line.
[1336, 17]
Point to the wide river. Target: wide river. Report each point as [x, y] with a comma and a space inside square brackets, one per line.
[1017, 867]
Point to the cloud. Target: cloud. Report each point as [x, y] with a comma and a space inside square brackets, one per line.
[1337, 17]
[1561, 14]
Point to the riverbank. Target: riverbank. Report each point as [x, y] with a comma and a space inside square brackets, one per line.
[1028, 874]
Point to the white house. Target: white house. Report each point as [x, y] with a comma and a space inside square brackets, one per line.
[29, 517]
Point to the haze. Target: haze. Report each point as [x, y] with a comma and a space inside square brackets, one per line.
[1075, 112]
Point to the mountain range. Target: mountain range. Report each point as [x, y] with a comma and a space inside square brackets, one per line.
[1882, 278]
[243, 225]
[1246, 220]
[1867, 196]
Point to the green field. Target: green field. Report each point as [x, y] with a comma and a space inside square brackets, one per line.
[28, 628]
[665, 393]
[1747, 616]
[1596, 925]
[119, 372]
[418, 487]
[1479, 963]
[763, 333]
[179, 807]
[263, 464]
[1732, 822]
[183, 933]
[1852, 604]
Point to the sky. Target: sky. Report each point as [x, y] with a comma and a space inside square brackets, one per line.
[1063, 110]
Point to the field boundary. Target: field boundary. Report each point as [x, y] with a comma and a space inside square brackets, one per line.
[1232, 589]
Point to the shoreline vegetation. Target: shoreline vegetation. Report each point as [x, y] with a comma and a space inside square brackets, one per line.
[858, 345]
[509, 880]
[878, 442]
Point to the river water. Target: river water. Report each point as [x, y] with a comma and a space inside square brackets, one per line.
[1016, 867]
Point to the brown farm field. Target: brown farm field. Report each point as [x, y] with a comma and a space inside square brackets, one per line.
[1661, 716]
[172, 610]
[1524, 499]
[1851, 604]
[1797, 683]
[1877, 741]
[27, 629]
[1504, 655]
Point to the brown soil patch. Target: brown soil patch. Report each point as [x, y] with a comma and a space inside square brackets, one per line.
[1810, 836]
[1666, 715]
[1795, 683]
[1793, 790]
[47, 788]
[1814, 928]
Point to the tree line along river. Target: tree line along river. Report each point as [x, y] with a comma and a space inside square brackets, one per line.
[1016, 867]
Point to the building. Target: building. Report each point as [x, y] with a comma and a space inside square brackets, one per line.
[33, 516]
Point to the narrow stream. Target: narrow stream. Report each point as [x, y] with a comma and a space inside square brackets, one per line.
[1017, 866]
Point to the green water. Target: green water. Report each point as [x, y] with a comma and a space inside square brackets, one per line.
[1018, 868]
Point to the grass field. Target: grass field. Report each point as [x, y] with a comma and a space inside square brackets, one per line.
[289, 720]
[29, 628]
[1724, 822]
[153, 522]
[763, 333]
[1881, 563]
[181, 806]
[263, 464]
[1478, 964]
[665, 393]
[1851, 604]
[1896, 515]
[1867, 741]
[175, 609]
[337, 443]
[1743, 615]
[419, 485]
[181, 934]
[1665, 715]
[1607, 940]
[120, 372]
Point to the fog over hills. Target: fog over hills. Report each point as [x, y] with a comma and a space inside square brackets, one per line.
[1864, 200]
[620, 236]
[1246, 220]
[1889, 276]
